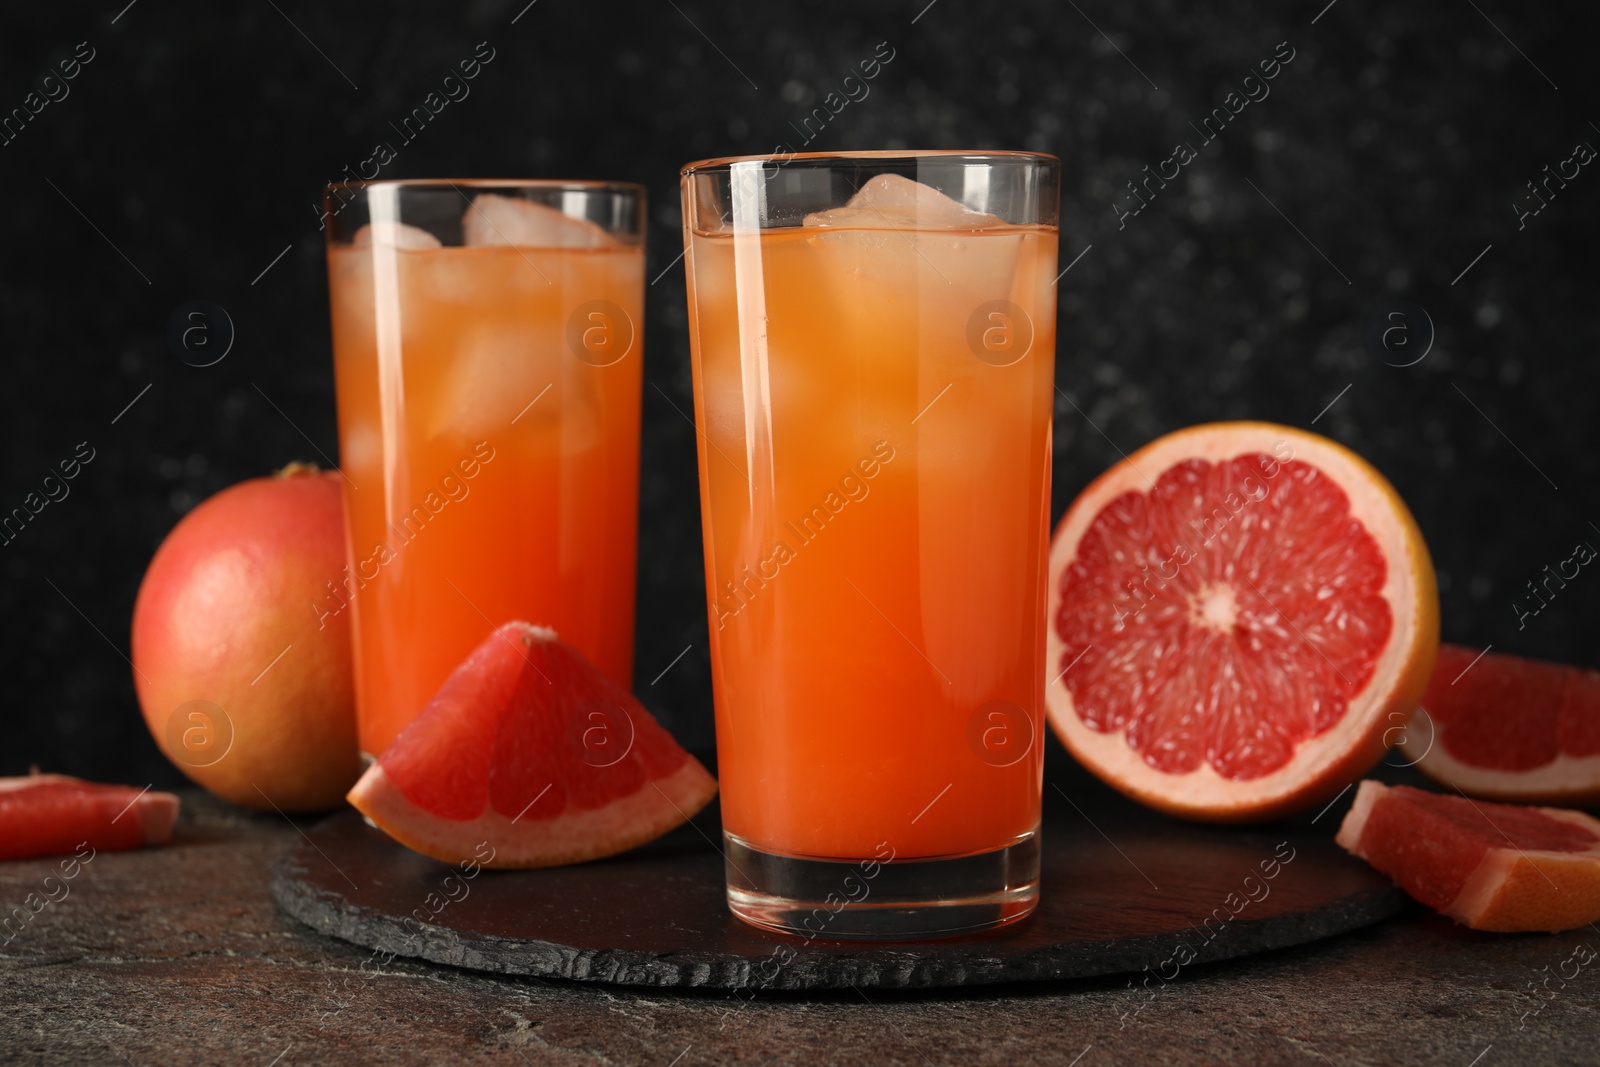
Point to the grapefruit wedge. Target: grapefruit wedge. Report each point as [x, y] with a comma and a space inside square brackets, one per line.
[1489, 866]
[52, 814]
[1238, 614]
[529, 749]
[1515, 729]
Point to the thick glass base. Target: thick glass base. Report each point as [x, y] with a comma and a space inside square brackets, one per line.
[885, 897]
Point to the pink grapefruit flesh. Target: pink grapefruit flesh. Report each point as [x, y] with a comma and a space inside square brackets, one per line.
[1508, 728]
[52, 814]
[1239, 613]
[1489, 866]
[529, 748]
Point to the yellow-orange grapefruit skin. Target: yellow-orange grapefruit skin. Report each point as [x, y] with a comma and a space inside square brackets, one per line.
[1331, 757]
[243, 674]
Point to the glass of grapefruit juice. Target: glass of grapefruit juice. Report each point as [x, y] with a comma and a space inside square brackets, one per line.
[487, 352]
[873, 344]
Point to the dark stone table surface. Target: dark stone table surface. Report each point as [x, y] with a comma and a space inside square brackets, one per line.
[179, 956]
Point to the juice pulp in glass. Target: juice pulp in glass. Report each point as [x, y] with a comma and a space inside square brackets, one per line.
[875, 503]
[491, 473]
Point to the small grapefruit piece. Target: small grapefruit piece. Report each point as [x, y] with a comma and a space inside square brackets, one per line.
[1238, 614]
[1513, 729]
[529, 748]
[1490, 866]
[51, 814]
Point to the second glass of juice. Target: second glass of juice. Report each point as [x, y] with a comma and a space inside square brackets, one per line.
[487, 343]
[873, 342]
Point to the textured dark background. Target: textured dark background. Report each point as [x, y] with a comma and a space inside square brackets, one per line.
[1388, 155]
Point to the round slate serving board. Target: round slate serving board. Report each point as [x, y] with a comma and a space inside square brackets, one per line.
[1122, 889]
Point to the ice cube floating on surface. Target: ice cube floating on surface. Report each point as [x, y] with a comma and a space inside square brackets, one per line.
[892, 201]
[491, 220]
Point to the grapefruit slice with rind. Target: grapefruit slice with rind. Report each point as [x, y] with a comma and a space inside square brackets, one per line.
[1490, 866]
[529, 750]
[1508, 728]
[1241, 616]
[52, 814]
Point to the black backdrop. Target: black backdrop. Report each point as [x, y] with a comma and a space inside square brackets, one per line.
[186, 154]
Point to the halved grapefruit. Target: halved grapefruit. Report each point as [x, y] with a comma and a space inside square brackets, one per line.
[1515, 729]
[528, 748]
[1238, 614]
[1490, 866]
[52, 814]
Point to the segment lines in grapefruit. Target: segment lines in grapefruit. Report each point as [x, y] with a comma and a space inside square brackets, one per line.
[1234, 630]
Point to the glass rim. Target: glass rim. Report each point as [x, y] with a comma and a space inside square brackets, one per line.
[568, 184]
[996, 158]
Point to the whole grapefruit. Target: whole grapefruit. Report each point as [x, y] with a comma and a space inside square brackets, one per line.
[243, 672]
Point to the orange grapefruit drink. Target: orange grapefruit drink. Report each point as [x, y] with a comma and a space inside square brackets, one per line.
[487, 349]
[873, 348]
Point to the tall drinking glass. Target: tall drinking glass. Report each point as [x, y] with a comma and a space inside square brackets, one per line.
[873, 344]
[487, 348]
